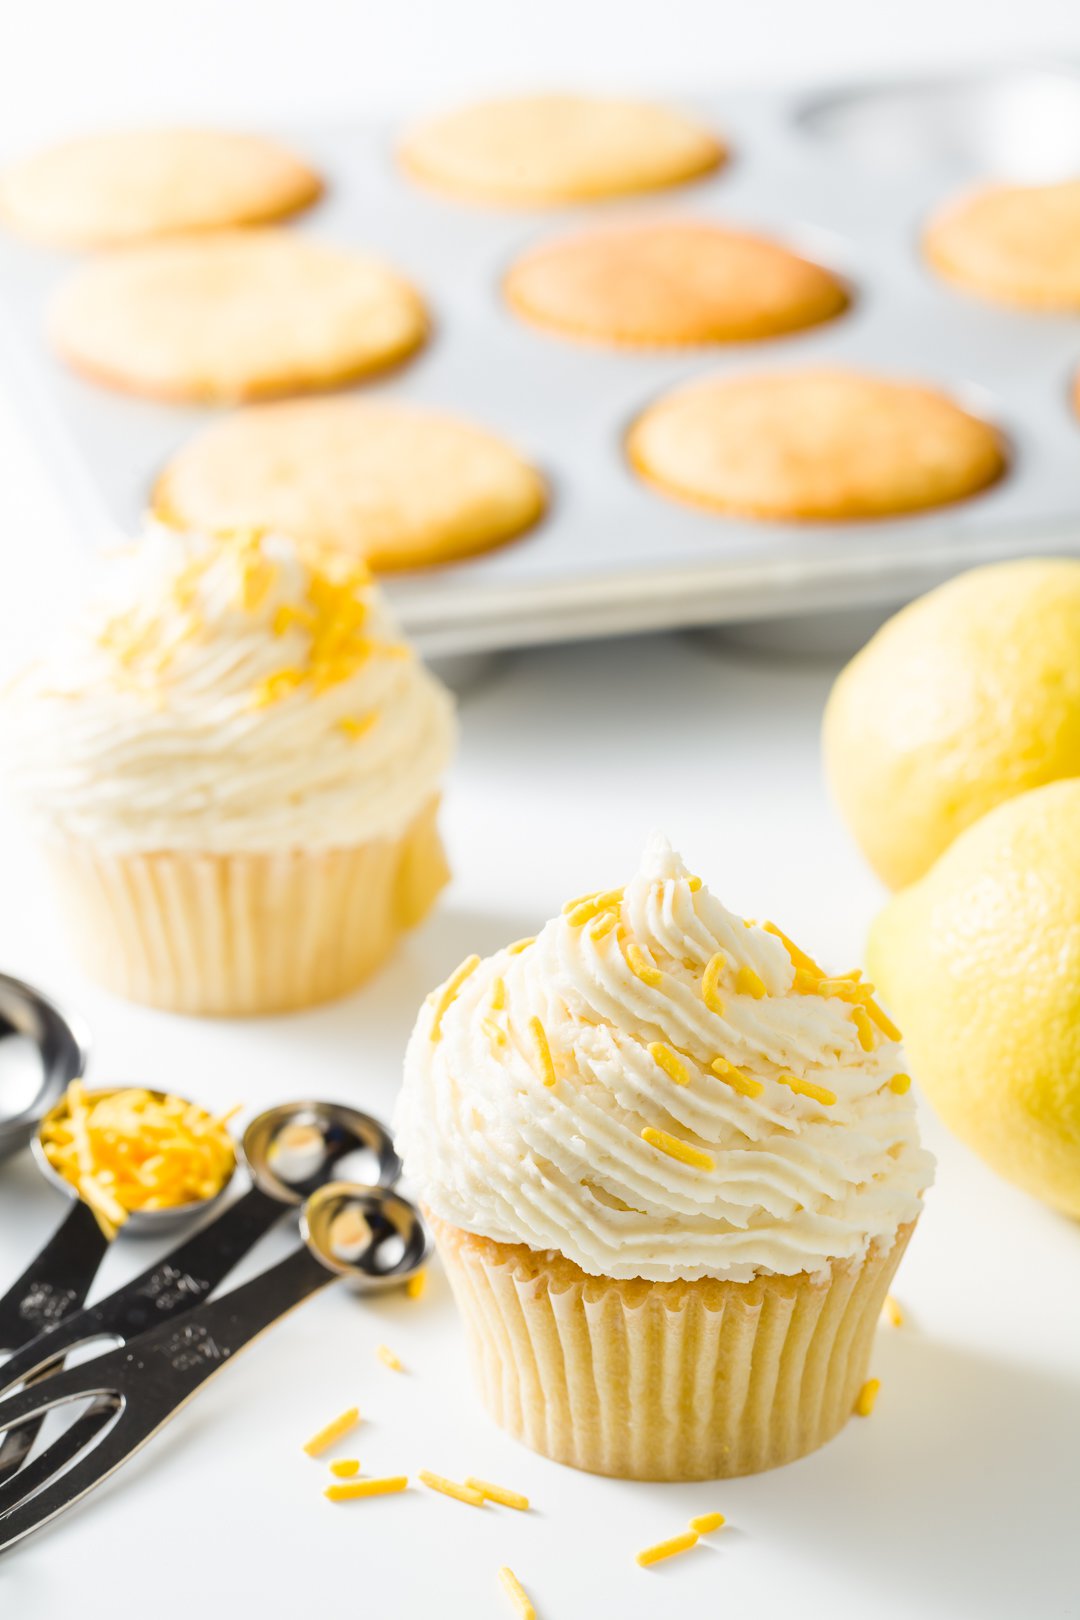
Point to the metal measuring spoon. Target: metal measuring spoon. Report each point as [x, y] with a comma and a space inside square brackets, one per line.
[289, 1151]
[41, 1052]
[58, 1278]
[57, 1045]
[146, 1382]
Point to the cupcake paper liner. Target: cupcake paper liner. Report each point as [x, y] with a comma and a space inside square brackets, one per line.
[248, 933]
[665, 1381]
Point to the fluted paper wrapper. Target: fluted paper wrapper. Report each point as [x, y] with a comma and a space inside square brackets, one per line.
[665, 1381]
[256, 933]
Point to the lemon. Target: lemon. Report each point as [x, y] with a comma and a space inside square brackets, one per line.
[966, 698]
[980, 962]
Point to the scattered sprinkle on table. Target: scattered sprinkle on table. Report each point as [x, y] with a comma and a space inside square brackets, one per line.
[668, 1548]
[450, 1487]
[498, 1493]
[354, 1490]
[517, 1594]
[706, 1522]
[345, 1467]
[333, 1431]
[867, 1396]
[388, 1358]
[416, 1286]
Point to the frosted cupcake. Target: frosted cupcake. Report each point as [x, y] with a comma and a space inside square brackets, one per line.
[671, 1169]
[233, 760]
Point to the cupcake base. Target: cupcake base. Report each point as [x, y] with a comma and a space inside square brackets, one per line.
[665, 1381]
[238, 934]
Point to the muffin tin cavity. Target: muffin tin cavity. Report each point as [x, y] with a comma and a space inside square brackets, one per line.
[1015, 126]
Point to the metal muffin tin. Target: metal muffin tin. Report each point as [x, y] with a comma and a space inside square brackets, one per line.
[846, 177]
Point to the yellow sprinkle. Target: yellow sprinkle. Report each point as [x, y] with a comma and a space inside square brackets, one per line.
[498, 1493]
[603, 923]
[705, 1523]
[345, 1467]
[642, 968]
[695, 884]
[276, 686]
[805, 983]
[677, 1149]
[359, 727]
[520, 945]
[806, 1088]
[892, 1312]
[542, 1051]
[388, 1358]
[900, 1083]
[256, 583]
[287, 615]
[883, 1021]
[416, 1287]
[709, 981]
[665, 1057]
[516, 1593]
[867, 1397]
[799, 958]
[749, 983]
[864, 1027]
[358, 1488]
[580, 900]
[583, 913]
[668, 1548]
[494, 1033]
[497, 998]
[341, 1425]
[449, 1487]
[449, 991]
[733, 1077]
[846, 989]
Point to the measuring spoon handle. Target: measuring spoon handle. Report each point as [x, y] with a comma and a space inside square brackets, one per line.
[56, 1281]
[155, 1377]
[176, 1283]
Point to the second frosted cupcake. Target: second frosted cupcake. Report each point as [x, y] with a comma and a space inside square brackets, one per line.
[671, 1168]
[233, 761]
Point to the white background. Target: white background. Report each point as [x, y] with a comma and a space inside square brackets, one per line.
[958, 1499]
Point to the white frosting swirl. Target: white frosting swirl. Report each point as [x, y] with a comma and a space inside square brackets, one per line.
[786, 1183]
[228, 695]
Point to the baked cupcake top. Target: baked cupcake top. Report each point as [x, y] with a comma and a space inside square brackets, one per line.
[654, 1088]
[235, 694]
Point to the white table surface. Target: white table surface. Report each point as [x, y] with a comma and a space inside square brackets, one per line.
[959, 1497]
